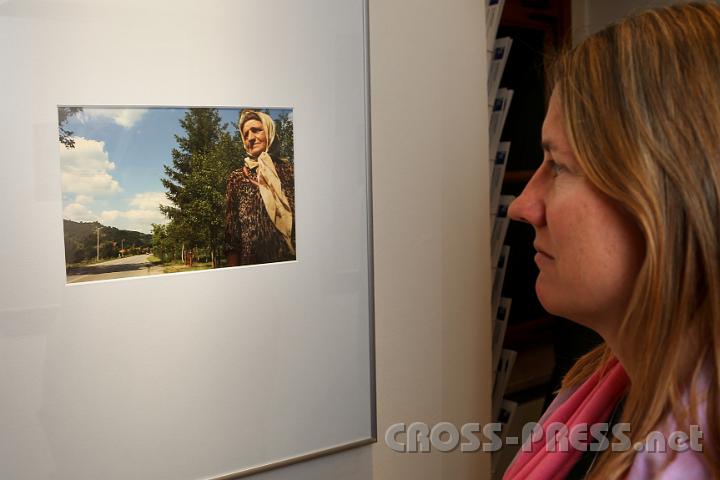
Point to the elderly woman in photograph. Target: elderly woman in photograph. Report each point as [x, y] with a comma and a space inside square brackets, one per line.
[260, 199]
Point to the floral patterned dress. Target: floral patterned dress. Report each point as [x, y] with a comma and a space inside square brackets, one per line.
[250, 235]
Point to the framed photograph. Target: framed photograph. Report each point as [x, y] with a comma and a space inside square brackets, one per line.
[187, 270]
[202, 188]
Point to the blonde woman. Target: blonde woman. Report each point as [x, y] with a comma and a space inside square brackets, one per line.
[260, 198]
[626, 212]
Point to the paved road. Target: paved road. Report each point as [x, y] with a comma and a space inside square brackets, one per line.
[132, 266]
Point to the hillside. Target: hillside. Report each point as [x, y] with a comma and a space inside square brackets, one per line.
[81, 241]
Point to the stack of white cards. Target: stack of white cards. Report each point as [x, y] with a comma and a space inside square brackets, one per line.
[505, 418]
[499, 276]
[507, 361]
[497, 173]
[496, 66]
[500, 224]
[498, 330]
[498, 114]
[492, 18]
[499, 100]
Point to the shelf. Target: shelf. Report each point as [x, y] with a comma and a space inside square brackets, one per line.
[533, 368]
[529, 333]
[518, 176]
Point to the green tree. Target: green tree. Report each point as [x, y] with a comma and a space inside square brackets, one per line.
[202, 132]
[204, 213]
[197, 179]
[108, 250]
[159, 239]
[66, 136]
[284, 126]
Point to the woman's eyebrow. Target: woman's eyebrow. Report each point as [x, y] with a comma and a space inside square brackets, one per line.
[548, 146]
[554, 148]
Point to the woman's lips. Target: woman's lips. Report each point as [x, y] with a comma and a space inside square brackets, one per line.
[542, 256]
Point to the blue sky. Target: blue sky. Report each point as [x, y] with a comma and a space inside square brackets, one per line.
[113, 173]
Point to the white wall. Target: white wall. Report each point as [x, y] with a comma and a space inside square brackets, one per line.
[432, 232]
[432, 268]
[431, 225]
[589, 16]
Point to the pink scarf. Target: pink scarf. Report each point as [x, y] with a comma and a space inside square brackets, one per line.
[592, 402]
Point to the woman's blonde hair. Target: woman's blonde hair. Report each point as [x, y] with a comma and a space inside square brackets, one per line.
[641, 101]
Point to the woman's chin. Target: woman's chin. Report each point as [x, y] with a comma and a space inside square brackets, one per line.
[553, 300]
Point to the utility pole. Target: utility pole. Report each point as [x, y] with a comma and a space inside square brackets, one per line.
[98, 243]
[122, 247]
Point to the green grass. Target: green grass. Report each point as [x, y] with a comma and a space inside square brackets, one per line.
[154, 260]
[181, 267]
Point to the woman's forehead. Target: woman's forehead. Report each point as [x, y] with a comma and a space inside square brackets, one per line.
[251, 123]
[553, 131]
[554, 136]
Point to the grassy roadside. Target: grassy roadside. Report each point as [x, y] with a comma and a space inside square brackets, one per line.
[154, 260]
[176, 267]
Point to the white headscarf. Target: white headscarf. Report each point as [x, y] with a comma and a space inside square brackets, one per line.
[274, 199]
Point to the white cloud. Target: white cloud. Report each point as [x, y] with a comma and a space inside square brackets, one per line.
[125, 117]
[140, 218]
[84, 199]
[109, 216]
[79, 213]
[149, 200]
[85, 168]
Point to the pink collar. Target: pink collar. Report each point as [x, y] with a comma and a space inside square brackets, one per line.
[591, 403]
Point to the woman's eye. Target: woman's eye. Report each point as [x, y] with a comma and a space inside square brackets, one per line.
[556, 168]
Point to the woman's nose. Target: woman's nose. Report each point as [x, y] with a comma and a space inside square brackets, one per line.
[529, 207]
